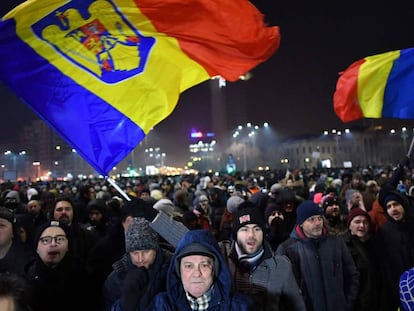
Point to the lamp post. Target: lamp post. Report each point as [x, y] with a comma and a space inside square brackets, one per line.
[404, 136]
[247, 134]
[155, 153]
[336, 135]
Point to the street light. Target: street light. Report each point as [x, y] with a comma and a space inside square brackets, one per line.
[246, 134]
[404, 136]
[155, 152]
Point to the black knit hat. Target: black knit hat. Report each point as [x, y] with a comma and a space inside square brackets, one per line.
[246, 216]
[53, 223]
[393, 197]
[140, 236]
[7, 214]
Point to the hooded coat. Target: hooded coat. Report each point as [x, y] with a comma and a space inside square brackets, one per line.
[395, 242]
[222, 296]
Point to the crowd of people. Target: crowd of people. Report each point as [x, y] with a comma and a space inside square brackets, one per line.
[319, 240]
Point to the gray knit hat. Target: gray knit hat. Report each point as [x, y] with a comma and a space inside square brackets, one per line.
[140, 236]
[233, 203]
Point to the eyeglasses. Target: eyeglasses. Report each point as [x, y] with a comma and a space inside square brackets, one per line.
[59, 239]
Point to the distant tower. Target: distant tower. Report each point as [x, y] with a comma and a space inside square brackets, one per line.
[227, 114]
[219, 110]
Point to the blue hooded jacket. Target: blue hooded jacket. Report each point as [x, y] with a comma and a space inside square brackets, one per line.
[222, 296]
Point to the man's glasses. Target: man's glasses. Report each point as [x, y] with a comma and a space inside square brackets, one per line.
[59, 239]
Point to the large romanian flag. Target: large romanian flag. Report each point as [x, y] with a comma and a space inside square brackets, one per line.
[102, 73]
[378, 86]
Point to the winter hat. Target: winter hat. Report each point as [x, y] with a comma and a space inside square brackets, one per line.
[140, 236]
[233, 203]
[156, 194]
[275, 189]
[272, 207]
[164, 205]
[336, 182]
[307, 209]
[393, 197]
[356, 212]
[31, 192]
[53, 223]
[329, 200]
[196, 249]
[96, 204]
[7, 214]
[246, 216]
[13, 194]
[317, 197]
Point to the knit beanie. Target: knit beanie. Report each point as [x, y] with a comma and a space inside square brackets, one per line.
[140, 236]
[393, 197]
[7, 214]
[233, 203]
[329, 200]
[356, 212]
[96, 204]
[307, 209]
[53, 223]
[317, 197]
[164, 205]
[270, 208]
[246, 216]
[156, 194]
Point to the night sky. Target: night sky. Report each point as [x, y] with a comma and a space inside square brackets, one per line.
[293, 90]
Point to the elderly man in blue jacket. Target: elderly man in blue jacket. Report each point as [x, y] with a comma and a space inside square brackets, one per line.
[198, 278]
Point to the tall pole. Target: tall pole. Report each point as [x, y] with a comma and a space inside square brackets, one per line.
[244, 155]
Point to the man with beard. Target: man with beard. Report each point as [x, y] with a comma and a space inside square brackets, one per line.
[323, 266]
[395, 240]
[256, 271]
[83, 240]
[335, 221]
[289, 202]
[98, 222]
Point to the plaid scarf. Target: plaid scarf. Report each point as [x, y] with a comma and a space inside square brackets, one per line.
[200, 303]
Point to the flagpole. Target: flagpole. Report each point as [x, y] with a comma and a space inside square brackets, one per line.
[114, 184]
[411, 148]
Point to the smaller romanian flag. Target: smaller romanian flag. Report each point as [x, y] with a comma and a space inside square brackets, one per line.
[378, 86]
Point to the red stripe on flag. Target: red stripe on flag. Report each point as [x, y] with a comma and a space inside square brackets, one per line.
[227, 38]
[346, 103]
